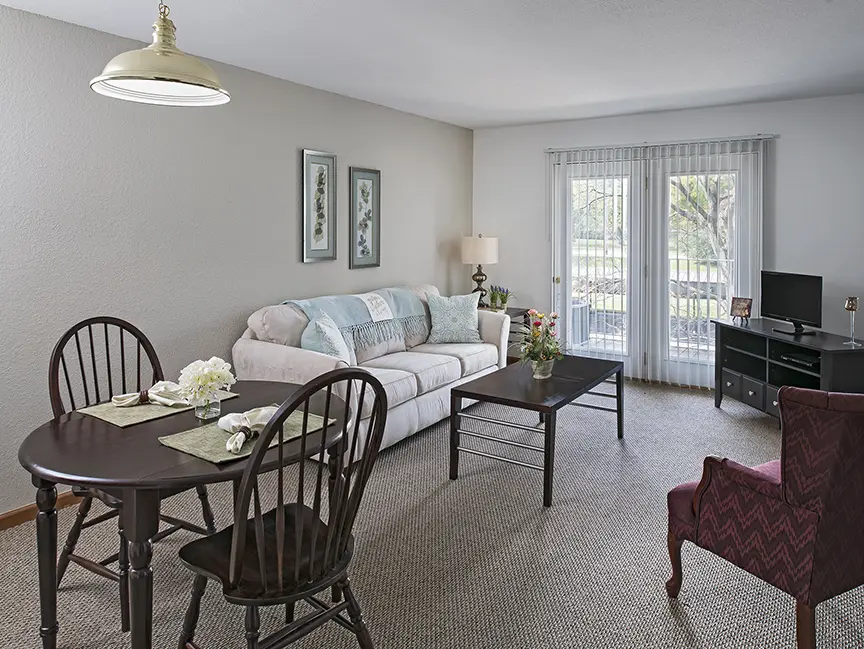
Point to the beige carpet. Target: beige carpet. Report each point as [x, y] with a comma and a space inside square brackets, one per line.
[479, 563]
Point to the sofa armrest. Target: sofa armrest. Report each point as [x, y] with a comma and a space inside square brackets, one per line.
[495, 329]
[262, 361]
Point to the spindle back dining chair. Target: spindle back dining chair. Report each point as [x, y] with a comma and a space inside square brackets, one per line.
[304, 545]
[96, 359]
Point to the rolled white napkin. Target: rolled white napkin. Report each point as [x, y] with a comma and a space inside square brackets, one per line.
[245, 425]
[165, 393]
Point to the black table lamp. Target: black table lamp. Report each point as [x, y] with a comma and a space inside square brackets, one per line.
[480, 250]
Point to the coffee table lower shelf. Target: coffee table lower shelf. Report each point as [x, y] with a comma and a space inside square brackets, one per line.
[513, 386]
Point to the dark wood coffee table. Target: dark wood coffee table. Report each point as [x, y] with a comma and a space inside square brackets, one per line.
[572, 377]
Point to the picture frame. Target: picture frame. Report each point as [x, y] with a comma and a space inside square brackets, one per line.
[318, 180]
[364, 234]
[741, 308]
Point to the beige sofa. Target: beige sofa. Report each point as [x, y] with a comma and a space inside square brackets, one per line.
[416, 376]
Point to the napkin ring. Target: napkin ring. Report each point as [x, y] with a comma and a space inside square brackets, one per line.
[144, 397]
[247, 432]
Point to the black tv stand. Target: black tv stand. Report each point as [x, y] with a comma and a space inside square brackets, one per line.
[798, 331]
[754, 361]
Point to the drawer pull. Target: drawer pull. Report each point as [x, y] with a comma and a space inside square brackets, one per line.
[775, 403]
[751, 393]
[728, 384]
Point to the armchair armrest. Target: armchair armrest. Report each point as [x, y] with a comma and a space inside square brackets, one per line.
[753, 479]
[741, 515]
[495, 329]
[263, 361]
[737, 474]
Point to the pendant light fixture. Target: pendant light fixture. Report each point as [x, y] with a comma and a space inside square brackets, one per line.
[160, 73]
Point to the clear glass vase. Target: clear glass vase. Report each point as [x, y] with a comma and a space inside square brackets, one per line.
[208, 408]
[542, 369]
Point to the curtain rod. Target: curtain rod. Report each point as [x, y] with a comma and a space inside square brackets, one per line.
[743, 138]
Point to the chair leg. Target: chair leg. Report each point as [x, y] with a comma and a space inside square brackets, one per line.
[336, 593]
[673, 586]
[72, 538]
[253, 624]
[209, 520]
[805, 618]
[190, 621]
[289, 612]
[123, 561]
[356, 617]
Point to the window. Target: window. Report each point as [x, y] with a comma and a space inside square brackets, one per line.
[650, 244]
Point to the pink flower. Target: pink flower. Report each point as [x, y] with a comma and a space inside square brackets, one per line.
[532, 311]
[554, 315]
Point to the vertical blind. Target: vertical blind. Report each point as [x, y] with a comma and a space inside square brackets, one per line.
[650, 243]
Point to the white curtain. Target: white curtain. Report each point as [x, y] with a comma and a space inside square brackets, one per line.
[650, 243]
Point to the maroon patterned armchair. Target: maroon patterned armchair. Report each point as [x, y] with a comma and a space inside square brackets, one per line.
[797, 522]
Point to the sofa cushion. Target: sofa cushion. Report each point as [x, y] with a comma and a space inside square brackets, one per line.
[399, 386]
[431, 370]
[390, 346]
[454, 319]
[323, 336]
[472, 356]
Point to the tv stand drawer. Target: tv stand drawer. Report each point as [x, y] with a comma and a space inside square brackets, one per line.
[772, 401]
[753, 393]
[731, 384]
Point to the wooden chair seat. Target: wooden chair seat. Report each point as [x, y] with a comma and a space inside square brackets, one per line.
[210, 556]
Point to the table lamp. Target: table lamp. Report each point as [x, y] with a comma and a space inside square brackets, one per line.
[480, 250]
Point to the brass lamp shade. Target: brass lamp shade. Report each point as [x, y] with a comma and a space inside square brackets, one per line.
[160, 73]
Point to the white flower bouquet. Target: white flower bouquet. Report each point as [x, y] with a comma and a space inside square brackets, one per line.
[201, 380]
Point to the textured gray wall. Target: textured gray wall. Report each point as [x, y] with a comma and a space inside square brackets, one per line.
[813, 221]
[184, 221]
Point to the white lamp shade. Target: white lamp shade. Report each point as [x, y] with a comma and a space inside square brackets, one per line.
[479, 250]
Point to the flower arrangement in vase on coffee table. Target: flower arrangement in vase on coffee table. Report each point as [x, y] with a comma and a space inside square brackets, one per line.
[540, 343]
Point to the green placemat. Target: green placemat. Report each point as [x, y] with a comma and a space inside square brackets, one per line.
[132, 415]
[208, 441]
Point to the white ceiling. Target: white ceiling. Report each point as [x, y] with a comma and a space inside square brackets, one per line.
[483, 63]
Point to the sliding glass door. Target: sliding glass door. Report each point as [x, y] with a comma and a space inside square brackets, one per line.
[599, 292]
[651, 243]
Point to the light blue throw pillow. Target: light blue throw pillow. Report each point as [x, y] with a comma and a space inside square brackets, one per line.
[454, 319]
[322, 335]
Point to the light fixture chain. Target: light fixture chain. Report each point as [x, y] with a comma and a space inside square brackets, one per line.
[164, 10]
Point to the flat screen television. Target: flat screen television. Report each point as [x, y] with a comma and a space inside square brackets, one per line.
[793, 298]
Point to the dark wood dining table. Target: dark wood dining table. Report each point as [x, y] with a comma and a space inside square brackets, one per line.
[129, 463]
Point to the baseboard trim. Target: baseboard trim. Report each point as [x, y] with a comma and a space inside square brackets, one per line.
[28, 512]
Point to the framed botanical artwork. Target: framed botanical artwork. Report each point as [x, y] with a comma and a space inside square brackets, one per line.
[319, 206]
[365, 221]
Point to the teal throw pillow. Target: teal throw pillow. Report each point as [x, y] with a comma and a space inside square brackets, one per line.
[322, 335]
[454, 319]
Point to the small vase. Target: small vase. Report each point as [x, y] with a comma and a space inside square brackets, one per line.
[208, 408]
[542, 369]
[503, 306]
